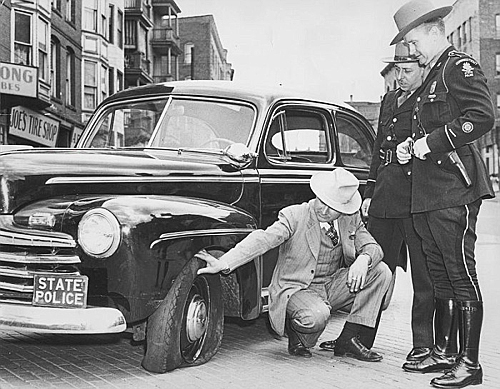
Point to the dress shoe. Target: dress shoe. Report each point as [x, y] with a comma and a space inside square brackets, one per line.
[329, 345]
[355, 349]
[299, 350]
[433, 363]
[418, 353]
[461, 375]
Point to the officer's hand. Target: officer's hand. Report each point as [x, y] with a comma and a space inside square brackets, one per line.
[420, 148]
[403, 151]
[356, 276]
[214, 265]
[365, 207]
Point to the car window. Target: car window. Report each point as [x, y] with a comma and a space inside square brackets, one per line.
[298, 135]
[204, 124]
[354, 145]
[182, 123]
[129, 125]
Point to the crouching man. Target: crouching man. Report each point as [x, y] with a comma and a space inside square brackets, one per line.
[327, 261]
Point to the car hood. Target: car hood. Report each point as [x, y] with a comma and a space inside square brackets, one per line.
[29, 175]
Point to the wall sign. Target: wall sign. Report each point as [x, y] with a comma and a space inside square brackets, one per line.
[31, 125]
[18, 80]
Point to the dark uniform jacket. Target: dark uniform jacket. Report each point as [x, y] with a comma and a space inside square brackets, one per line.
[454, 107]
[389, 183]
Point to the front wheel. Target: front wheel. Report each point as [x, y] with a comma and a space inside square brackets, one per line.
[187, 328]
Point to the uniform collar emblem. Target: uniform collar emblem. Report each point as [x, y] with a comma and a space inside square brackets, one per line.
[433, 87]
[467, 69]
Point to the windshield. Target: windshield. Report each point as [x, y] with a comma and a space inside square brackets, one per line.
[175, 123]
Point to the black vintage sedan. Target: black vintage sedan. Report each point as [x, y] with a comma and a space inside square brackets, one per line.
[101, 238]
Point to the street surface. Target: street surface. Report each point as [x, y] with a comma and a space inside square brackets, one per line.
[250, 357]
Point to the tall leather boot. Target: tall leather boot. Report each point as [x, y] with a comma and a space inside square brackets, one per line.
[467, 370]
[443, 355]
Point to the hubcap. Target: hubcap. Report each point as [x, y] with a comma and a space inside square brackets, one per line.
[196, 318]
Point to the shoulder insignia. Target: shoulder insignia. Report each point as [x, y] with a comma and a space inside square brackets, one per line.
[467, 69]
[461, 56]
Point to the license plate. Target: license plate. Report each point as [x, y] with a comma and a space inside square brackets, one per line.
[64, 291]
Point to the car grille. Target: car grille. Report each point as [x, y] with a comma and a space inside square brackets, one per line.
[25, 252]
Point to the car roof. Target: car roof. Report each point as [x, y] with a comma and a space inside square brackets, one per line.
[224, 89]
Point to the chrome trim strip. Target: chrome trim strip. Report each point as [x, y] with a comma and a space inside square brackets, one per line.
[142, 179]
[17, 239]
[13, 272]
[197, 233]
[39, 259]
[16, 288]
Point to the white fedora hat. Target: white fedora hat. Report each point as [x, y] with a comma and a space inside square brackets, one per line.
[413, 14]
[338, 189]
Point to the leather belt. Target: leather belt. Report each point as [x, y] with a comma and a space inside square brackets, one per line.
[388, 156]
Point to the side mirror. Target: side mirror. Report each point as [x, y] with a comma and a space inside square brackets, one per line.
[239, 153]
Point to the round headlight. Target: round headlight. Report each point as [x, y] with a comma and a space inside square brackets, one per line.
[99, 233]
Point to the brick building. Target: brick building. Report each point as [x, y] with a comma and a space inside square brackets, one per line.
[204, 56]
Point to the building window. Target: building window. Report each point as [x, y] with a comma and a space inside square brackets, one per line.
[119, 80]
[22, 39]
[56, 4]
[497, 24]
[90, 16]
[43, 58]
[104, 82]
[497, 65]
[70, 11]
[498, 100]
[70, 77]
[55, 72]
[459, 36]
[470, 29]
[111, 23]
[111, 81]
[90, 85]
[464, 32]
[188, 53]
[119, 30]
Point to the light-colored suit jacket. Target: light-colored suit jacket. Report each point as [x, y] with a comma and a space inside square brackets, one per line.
[297, 232]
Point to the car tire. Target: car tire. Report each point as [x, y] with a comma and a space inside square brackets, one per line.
[186, 329]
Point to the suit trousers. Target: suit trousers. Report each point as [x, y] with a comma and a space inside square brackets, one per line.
[396, 234]
[309, 309]
[449, 239]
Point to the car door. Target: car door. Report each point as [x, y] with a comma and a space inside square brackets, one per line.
[301, 139]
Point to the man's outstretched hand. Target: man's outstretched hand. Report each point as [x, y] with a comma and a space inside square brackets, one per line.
[214, 265]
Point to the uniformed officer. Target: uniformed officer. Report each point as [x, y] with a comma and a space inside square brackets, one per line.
[388, 194]
[452, 110]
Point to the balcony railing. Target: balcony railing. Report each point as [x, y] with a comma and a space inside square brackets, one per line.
[137, 61]
[166, 78]
[164, 35]
[141, 6]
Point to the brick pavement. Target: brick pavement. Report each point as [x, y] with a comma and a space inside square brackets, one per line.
[250, 357]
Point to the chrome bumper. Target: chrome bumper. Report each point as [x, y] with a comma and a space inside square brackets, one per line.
[91, 320]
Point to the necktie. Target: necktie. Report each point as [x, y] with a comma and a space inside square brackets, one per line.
[403, 97]
[332, 234]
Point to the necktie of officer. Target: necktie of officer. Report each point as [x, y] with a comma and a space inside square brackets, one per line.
[403, 97]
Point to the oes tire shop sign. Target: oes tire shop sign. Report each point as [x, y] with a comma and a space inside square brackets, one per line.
[31, 125]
